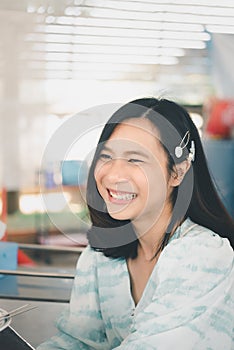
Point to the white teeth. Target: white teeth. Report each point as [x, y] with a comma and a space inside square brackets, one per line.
[125, 197]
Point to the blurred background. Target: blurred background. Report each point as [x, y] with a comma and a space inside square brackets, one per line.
[61, 58]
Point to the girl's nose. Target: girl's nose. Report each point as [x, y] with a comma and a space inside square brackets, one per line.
[117, 171]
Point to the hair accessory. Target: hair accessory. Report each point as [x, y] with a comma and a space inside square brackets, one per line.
[191, 156]
[179, 149]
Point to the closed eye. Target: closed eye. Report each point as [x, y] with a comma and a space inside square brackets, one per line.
[104, 156]
[134, 160]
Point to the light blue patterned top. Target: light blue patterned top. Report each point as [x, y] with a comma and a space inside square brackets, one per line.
[188, 302]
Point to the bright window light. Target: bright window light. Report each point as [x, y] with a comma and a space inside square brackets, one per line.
[155, 51]
[167, 16]
[184, 44]
[168, 60]
[50, 19]
[73, 11]
[154, 25]
[54, 28]
[185, 35]
[57, 34]
[31, 9]
[118, 23]
[140, 59]
[191, 27]
[93, 75]
[57, 65]
[197, 119]
[57, 56]
[54, 42]
[86, 66]
[52, 47]
[35, 203]
[220, 29]
[214, 3]
[124, 5]
[89, 66]
[41, 10]
[157, 34]
[58, 38]
[109, 13]
[55, 74]
[186, 7]
[104, 58]
[162, 31]
[30, 204]
[64, 20]
[188, 18]
[116, 41]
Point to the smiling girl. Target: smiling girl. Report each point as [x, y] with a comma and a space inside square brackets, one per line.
[158, 271]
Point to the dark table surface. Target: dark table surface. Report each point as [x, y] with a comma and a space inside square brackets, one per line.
[49, 295]
[38, 288]
[36, 325]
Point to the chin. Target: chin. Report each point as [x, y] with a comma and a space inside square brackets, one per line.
[119, 215]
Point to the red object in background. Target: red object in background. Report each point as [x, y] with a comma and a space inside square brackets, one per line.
[220, 119]
[23, 259]
[3, 216]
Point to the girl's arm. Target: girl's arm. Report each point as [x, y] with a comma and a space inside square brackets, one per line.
[81, 327]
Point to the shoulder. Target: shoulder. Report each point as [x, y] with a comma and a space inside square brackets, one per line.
[197, 263]
[87, 260]
[200, 249]
[92, 258]
[199, 237]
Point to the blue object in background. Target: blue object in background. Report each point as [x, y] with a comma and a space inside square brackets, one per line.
[49, 176]
[74, 172]
[220, 158]
[8, 261]
[8, 256]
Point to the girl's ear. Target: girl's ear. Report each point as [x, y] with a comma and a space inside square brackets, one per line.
[178, 173]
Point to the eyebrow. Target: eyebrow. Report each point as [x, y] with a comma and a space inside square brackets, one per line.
[128, 153]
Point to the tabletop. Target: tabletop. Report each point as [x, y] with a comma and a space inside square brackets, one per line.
[46, 287]
[36, 325]
[40, 284]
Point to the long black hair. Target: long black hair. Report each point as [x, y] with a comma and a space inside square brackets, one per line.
[196, 197]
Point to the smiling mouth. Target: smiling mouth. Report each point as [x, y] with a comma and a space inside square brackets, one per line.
[121, 196]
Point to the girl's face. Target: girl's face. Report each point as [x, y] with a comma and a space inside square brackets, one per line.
[131, 173]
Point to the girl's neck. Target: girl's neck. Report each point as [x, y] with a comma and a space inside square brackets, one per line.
[151, 239]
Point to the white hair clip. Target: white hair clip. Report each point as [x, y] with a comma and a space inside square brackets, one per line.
[179, 149]
[191, 156]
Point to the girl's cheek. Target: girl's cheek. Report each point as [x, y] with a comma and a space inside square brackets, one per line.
[97, 172]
